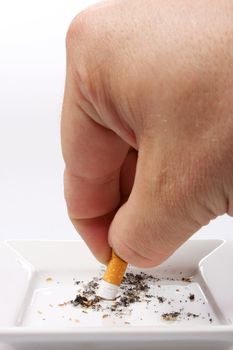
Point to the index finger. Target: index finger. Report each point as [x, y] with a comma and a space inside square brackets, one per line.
[93, 157]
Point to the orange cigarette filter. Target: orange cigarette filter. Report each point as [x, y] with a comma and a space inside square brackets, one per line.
[115, 270]
[112, 278]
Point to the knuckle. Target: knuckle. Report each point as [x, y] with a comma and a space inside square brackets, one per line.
[77, 49]
[87, 50]
[79, 27]
[86, 30]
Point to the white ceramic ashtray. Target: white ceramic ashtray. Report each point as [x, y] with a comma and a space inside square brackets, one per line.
[47, 299]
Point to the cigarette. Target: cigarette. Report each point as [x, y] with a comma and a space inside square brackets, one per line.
[112, 278]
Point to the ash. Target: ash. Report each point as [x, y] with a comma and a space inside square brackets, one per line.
[135, 288]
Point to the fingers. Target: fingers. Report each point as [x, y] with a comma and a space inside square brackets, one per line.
[176, 188]
[128, 174]
[156, 219]
[95, 234]
[93, 156]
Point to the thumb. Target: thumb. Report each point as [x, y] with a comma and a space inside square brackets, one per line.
[157, 217]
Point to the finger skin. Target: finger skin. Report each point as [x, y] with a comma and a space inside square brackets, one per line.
[94, 156]
[160, 81]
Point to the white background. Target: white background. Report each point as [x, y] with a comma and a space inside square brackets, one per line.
[32, 71]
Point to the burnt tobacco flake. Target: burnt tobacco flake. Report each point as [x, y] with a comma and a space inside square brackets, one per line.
[135, 288]
[190, 314]
[171, 316]
[186, 279]
[161, 299]
[191, 297]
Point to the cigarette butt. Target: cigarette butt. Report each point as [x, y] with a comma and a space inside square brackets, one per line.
[112, 278]
[115, 270]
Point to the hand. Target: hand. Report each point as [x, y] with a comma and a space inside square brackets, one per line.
[147, 124]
